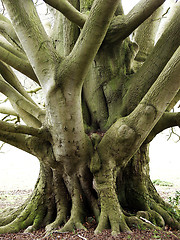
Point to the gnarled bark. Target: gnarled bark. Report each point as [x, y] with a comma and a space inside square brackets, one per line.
[90, 141]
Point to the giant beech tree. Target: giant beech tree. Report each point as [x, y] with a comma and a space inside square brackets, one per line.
[106, 96]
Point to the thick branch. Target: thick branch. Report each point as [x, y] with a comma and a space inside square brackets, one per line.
[12, 79]
[16, 140]
[128, 133]
[30, 144]
[90, 39]
[4, 109]
[146, 34]
[14, 128]
[163, 90]
[17, 60]
[7, 30]
[4, 44]
[156, 61]
[174, 101]
[36, 43]
[27, 117]
[122, 26]
[167, 120]
[68, 11]
[16, 57]
[21, 101]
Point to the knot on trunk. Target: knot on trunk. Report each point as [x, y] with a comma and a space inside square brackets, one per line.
[126, 134]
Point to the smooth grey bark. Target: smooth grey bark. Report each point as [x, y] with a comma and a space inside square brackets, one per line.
[150, 71]
[90, 138]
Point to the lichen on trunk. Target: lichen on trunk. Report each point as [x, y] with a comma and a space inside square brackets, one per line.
[101, 105]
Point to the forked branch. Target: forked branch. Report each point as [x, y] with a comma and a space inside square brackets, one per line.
[7, 31]
[122, 26]
[21, 101]
[154, 64]
[35, 42]
[15, 139]
[23, 129]
[130, 132]
[91, 38]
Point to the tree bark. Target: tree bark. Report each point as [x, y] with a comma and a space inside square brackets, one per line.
[91, 140]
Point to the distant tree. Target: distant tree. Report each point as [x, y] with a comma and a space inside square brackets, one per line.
[106, 97]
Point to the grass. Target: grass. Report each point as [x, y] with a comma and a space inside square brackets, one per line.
[175, 203]
[162, 183]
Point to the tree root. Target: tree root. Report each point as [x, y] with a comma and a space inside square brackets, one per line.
[30, 214]
[62, 203]
[111, 212]
[153, 217]
[8, 215]
[49, 207]
[154, 210]
[140, 223]
[166, 215]
[77, 211]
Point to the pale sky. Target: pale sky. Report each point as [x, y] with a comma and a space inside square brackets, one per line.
[129, 4]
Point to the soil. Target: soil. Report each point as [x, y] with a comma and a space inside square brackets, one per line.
[16, 198]
[89, 235]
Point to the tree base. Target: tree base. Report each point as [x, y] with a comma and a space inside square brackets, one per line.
[43, 210]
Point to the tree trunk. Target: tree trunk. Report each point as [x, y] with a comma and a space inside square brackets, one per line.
[94, 162]
[126, 196]
[78, 178]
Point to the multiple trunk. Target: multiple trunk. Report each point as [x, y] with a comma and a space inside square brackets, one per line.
[91, 147]
[119, 199]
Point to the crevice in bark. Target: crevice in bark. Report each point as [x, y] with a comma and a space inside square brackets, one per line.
[62, 201]
[108, 81]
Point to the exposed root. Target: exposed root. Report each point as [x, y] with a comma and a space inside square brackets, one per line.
[60, 219]
[31, 214]
[157, 213]
[72, 225]
[140, 223]
[62, 203]
[9, 215]
[156, 210]
[111, 213]
[166, 214]
[152, 216]
[49, 206]
[77, 210]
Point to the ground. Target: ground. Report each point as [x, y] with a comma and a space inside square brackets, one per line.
[17, 179]
[16, 197]
[89, 235]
